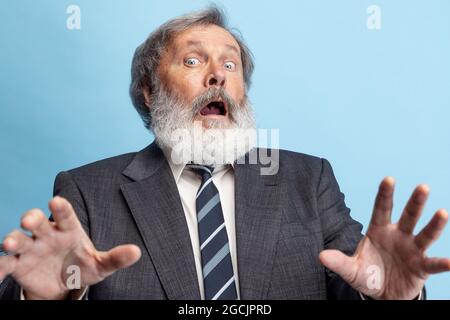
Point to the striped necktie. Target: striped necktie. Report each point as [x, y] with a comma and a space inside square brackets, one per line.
[218, 277]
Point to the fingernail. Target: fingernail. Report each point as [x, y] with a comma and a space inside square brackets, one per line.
[421, 197]
[57, 205]
[9, 242]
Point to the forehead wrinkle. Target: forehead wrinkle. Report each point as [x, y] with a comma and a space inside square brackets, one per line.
[233, 48]
[201, 44]
[194, 43]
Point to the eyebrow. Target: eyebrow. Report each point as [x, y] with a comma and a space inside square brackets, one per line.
[195, 43]
[233, 48]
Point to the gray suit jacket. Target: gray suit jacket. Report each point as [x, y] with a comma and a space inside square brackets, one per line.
[283, 221]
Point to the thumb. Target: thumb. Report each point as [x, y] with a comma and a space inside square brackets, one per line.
[119, 257]
[340, 264]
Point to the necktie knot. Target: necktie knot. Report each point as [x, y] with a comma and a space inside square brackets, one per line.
[203, 171]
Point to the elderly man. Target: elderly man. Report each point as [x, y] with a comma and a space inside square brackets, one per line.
[175, 221]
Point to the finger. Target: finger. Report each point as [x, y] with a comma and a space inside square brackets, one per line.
[413, 209]
[383, 203]
[63, 214]
[17, 242]
[7, 266]
[437, 265]
[36, 222]
[432, 230]
[118, 258]
[340, 264]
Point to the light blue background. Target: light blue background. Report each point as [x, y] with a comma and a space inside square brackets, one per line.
[374, 103]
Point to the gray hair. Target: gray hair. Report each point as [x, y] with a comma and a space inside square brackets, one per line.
[148, 55]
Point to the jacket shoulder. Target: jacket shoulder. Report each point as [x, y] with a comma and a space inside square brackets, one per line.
[288, 155]
[104, 167]
[297, 161]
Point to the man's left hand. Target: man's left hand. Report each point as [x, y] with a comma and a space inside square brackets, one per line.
[390, 261]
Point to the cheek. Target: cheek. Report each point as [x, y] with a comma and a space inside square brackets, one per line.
[236, 89]
[188, 85]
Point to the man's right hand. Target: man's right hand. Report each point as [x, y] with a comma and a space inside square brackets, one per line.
[40, 263]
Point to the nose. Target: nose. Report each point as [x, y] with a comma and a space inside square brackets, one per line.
[216, 77]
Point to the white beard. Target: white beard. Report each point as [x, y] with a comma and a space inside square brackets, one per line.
[221, 142]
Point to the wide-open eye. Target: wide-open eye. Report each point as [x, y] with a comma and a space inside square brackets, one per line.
[191, 61]
[230, 65]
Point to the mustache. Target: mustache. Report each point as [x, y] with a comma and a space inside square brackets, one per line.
[213, 94]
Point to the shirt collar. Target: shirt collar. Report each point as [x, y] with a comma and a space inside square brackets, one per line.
[177, 169]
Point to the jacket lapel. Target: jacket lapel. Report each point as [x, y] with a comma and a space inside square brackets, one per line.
[258, 220]
[156, 207]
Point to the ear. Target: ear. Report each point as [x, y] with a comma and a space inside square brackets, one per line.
[147, 95]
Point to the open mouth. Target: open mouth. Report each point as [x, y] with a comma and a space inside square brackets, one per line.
[216, 108]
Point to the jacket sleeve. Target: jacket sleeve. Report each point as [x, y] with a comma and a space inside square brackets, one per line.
[340, 231]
